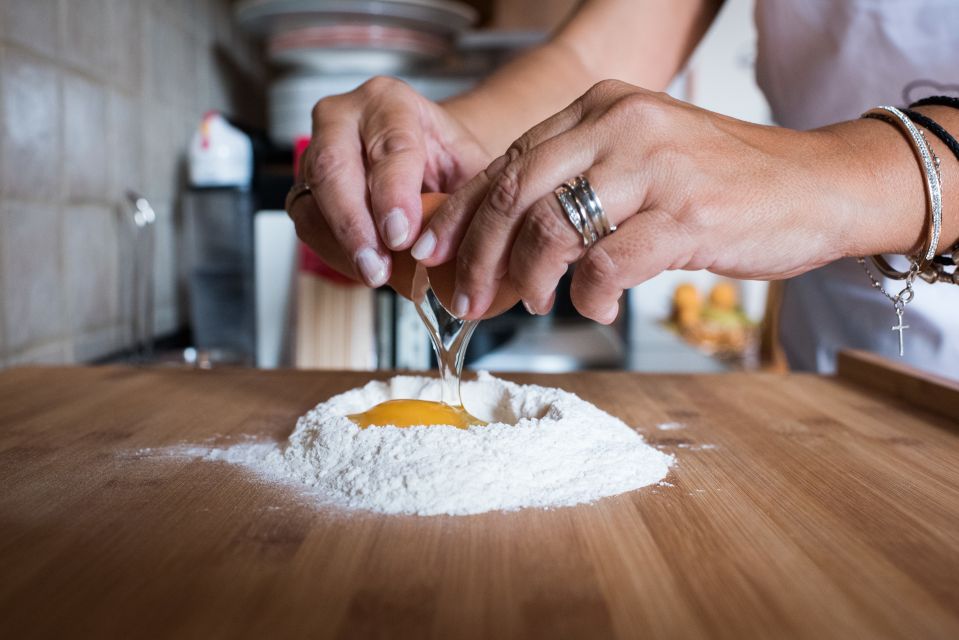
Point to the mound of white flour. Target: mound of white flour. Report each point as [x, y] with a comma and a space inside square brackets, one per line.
[542, 448]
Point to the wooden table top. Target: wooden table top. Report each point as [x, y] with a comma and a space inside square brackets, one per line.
[821, 510]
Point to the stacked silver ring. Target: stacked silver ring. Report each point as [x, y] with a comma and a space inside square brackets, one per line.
[584, 210]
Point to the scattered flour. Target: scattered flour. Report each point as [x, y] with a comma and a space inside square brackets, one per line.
[697, 447]
[543, 447]
[670, 426]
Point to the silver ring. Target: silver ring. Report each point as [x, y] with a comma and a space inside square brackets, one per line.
[584, 210]
[576, 216]
[295, 193]
[597, 215]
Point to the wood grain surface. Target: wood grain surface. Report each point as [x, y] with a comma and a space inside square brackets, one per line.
[898, 380]
[819, 511]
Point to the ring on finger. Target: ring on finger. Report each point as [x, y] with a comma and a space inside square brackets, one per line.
[594, 210]
[575, 214]
[584, 210]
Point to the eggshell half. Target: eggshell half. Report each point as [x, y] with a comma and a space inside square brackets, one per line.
[443, 277]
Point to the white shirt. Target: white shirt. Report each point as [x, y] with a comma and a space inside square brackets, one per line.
[824, 61]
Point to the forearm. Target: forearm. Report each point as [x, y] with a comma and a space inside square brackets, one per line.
[644, 42]
[889, 205]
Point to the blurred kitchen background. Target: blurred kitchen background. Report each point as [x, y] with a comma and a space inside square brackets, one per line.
[146, 147]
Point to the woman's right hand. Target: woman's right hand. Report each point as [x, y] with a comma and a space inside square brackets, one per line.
[373, 151]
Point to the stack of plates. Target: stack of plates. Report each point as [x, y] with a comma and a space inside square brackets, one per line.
[356, 48]
[333, 46]
[268, 17]
[292, 97]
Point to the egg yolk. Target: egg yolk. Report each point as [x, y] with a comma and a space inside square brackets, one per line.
[411, 413]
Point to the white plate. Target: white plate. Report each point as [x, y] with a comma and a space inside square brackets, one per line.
[292, 98]
[276, 16]
[374, 49]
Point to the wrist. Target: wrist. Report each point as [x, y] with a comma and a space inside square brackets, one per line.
[464, 110]
[522, 94]
[880, 181]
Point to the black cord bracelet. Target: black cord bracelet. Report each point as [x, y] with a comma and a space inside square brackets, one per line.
[937, 101]
[935, 129]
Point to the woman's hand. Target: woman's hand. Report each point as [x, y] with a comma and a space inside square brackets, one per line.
[372, 152]
[687, 188]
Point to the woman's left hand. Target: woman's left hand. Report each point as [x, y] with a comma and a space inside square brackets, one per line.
[687, 189]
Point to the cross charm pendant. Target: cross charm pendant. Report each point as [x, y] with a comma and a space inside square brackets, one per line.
[900, 327]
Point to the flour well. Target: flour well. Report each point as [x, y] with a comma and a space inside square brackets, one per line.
[542, 447]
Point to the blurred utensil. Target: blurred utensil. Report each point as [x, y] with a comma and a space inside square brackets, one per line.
[141, 300]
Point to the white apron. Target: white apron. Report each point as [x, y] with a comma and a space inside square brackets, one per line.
[824, 61]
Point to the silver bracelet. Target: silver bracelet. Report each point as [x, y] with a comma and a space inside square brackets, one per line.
[933, 182]
[931, 174]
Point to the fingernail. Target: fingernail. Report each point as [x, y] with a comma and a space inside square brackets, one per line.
[461, 304]
[610, 314]
[529, 309]
[424, 247]
[372, 266]
[396, 228]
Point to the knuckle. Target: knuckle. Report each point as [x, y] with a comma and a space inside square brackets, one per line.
[521, 146]
[699, 218]
[319, 109]
[381, 84]
[348, 231]
[510, 157]
[324, 108]
[390, 142]
[326, 164]
[606, 88]
[665, 154]
[597, 267]
[606, 94]
[640, 109]
[547, 229]
[504, 192]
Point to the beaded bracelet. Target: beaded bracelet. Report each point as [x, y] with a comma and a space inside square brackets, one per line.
[936, 101]
[935, 129]
[951, 256]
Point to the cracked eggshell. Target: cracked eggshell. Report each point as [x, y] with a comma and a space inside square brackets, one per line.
[443, 277]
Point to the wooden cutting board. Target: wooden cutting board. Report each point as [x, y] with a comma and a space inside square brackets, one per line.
[818, 509]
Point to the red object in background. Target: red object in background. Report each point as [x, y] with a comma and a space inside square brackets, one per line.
[299, 148]
[310, 262]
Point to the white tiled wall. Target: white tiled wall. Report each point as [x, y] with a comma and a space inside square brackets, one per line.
[97, 97]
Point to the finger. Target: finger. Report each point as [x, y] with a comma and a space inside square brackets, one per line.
[547, 242]
[334, 170]
[313, 230]
[645, 245]
[441, 239]
[483, 256]
[437, 244]
[396, 156]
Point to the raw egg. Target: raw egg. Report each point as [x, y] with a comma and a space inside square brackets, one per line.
[411, 413]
